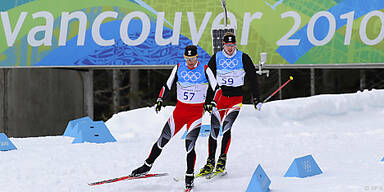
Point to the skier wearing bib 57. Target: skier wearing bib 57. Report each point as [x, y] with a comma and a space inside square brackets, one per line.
[230, 67]
[192, 80]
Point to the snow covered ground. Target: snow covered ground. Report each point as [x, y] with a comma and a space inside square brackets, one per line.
[344, 133]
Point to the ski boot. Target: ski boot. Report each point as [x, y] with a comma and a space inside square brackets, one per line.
[207, 169]
[141, 171]
[189, 182]
[220, 167]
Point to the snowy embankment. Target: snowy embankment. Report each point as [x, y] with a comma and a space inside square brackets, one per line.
[344, 133]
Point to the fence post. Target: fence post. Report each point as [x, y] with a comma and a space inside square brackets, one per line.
[313, 75]
[88, 92]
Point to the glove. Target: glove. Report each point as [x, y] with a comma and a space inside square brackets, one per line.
[209, 106]
[159, 104]
[257, 104]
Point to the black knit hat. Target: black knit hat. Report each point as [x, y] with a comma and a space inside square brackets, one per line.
[229, 38]
[190, 51]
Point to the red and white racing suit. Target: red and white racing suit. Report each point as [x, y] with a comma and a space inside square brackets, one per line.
[192, 85]
[231, 72]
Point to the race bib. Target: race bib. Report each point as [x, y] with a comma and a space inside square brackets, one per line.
[192, 85]
[233, 79]
[230, 71]
[192, 94]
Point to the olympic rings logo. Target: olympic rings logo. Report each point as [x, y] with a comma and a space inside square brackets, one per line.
[190, 76]
[227, 63]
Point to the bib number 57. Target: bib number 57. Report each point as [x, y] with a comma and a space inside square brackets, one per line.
[188, 95]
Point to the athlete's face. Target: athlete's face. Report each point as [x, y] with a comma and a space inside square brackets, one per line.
[229, 48]
[191, 61]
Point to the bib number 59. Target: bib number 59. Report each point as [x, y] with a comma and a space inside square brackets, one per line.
[228, 81]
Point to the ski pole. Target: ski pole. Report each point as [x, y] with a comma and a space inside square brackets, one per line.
[234, 107]
[289, 80]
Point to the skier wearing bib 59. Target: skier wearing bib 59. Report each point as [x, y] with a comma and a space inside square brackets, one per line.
[230, 67]
[192, 80]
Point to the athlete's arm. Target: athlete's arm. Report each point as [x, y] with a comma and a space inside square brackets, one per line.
[212, 64]
[250, 76]
[212, 68]
[211, 78]
[168, 85]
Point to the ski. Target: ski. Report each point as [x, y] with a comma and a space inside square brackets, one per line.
[127, 178]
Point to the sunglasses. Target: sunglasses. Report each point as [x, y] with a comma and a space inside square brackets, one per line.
[190, 58]
[230, 45]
